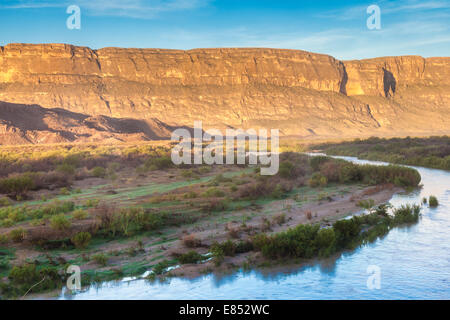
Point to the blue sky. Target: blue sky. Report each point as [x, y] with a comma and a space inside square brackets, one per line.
[337, 28]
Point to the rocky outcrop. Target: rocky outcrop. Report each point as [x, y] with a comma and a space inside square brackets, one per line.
[301, 93]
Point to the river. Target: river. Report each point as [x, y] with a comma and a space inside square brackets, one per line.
[413, 263]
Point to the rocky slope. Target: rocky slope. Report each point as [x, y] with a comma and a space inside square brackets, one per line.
[303, 94]
[24, 124]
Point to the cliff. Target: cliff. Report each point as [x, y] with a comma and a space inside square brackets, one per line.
[301, 93]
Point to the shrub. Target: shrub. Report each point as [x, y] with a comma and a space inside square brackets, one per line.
[366, 204]
[6, 223]
[317, 180]
[161, 267]
[406, 214]
[190, 195]
[3, 238]
[99, 172]
[286, 170]
[26, 276]
[243, 247]
[330, 170]
[433, 202]
[159, 163]
[191, 241]
[190, 257]
[217, 254]
[326, 241]
[256, 190]
[64, 191]
[349, 173]
[100, 258]
[92, 203]
[187, 174]
[298, 242]
[66, 168]
[17, 235]
[308, 215]
[316, 161]
[279, 219]
[81, 240]
[4, 264]
[216, 206]
[4, 202]
[228, 247]
[346, 231]
[17, 185]
[80, 214]
[278, 192]
[213, 192]
[60, 222]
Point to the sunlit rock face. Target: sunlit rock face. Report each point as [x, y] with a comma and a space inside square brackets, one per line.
[301, 93]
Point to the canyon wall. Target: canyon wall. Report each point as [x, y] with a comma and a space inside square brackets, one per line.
[303, 94]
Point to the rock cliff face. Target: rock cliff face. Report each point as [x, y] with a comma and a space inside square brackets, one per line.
[301, 93]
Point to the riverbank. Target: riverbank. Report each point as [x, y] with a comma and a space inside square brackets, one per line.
[428, 152]
[404, 273]
[161, 219]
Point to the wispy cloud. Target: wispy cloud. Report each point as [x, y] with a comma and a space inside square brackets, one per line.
[387, 7]
[143, 9]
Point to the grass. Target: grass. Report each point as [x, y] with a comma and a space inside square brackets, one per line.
[433, 152]
[134, 216]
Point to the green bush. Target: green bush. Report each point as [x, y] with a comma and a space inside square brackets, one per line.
[100, 258]
[217, 254]
[99, 172]
[406, 214]
[298, 242]
[3, 238]
[317, 180]
[159, 163]
[346, 231]
[190, 257]
[17, 185]
[29, 276]
[81, 240]
[64, 191]
[316, 161]
[60, 222]
[433, 202]
[80, 214]
[66, 168]
[92, 203]
[17, 235]
[326, 241]
[286, 170]
[161, 267]
[5, 202]
[213, 192]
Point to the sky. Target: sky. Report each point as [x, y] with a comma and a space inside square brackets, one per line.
[337, 28]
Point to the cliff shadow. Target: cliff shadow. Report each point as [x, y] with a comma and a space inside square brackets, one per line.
[389, 82]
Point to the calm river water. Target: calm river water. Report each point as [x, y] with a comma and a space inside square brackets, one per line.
[414, 263]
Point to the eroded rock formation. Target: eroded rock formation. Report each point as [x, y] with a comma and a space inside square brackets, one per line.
[301, 93]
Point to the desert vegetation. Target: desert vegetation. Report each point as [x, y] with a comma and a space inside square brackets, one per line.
[122, 210]
[433, 152]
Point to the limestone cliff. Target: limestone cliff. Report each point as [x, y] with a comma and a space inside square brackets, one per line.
[301, 93]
